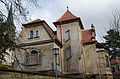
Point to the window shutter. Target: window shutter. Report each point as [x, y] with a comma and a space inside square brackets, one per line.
[27, 58]
[39, 57]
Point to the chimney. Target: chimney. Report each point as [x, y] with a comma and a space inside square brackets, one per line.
[92, 27]
[93, 32]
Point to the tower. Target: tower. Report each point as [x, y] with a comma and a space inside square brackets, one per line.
[10, 23]
[69, 33]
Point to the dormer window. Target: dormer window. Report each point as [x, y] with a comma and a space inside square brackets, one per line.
[68, 35]
[37, 33]
[31, 34]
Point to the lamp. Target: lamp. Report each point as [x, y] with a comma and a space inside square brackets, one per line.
[56, 51]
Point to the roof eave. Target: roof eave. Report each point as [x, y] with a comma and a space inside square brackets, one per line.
[86, 43]
[70, 20]
[25, 25]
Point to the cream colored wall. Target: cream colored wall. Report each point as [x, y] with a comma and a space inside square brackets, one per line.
[102, 62]
[91, 62]
[24, 36]
[95, 62]
[47, 57]
[24, 75]
[74, 43]
[46, 49]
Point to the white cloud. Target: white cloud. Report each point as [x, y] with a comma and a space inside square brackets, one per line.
[90, 11]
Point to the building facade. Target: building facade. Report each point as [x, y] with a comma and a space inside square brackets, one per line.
[115, 66]
[80, 55]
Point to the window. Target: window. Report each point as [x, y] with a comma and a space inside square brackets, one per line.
[34, 52]
[31, 34]
[37, 33]
[68, 35]
[113, 69]
[68, 53]
[36, 57]
[118, 67]
[107, 61]
[27, 59]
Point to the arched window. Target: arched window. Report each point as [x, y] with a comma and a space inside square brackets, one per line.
[37, 33]
[31, 34]
[36, 57]
[34, 52]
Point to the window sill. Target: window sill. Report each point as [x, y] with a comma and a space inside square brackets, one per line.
[68, 58]
[36, 37]
[33, 64]
[30, 38]
[67, 40]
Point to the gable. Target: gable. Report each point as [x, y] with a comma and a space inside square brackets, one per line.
[24, 36]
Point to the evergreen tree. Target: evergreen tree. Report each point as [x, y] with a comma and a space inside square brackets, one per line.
[113, 43]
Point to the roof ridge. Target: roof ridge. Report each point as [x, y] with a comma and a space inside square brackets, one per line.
[34, 21]
[67, 16]
[71, 13]
[86, 29]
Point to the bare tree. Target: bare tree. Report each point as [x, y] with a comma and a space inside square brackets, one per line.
[113, 36]
[115, 21]
[10, 11]
[20, 8]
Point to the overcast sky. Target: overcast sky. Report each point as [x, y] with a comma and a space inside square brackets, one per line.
[97, 12]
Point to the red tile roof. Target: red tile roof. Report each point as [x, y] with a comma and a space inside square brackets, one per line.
[32, 22]
[87, 36]
[52, 32]
[66, 16]
[117, 60]
[116, 72]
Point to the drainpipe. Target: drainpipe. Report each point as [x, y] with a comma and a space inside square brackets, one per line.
[84, 59]
[61, 48]
[99, 67]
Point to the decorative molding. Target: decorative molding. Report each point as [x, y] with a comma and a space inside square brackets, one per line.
[35, 43]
